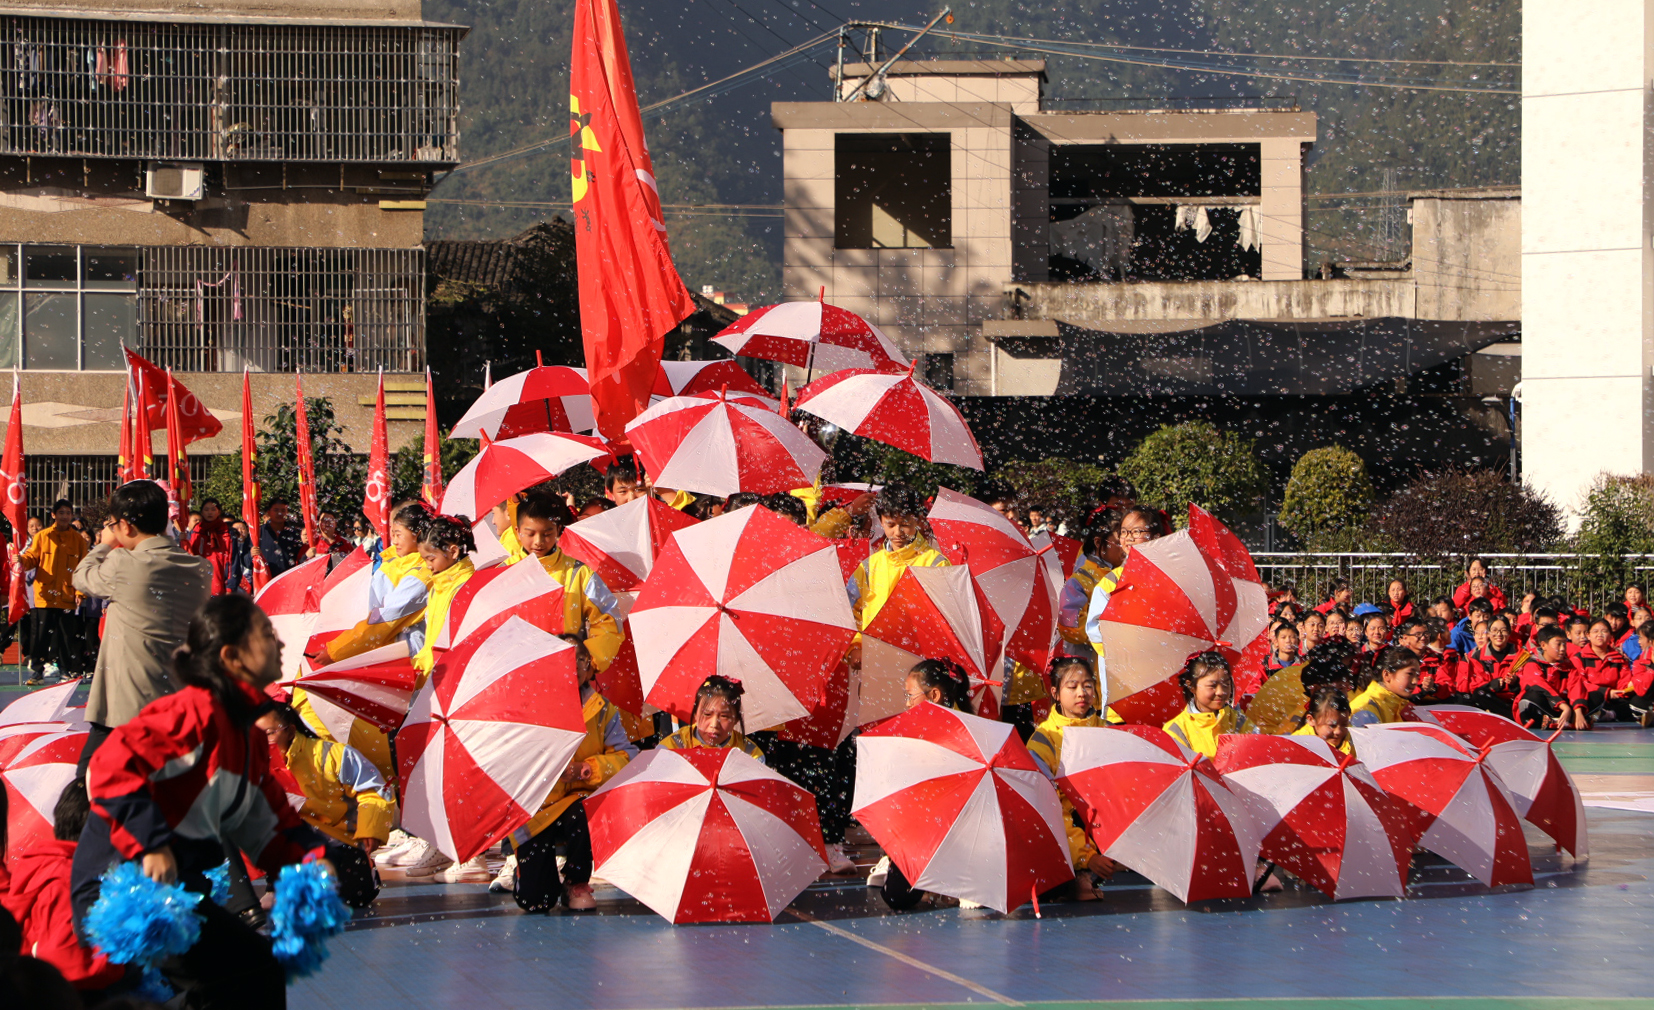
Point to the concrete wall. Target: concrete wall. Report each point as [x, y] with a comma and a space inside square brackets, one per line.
[1467, 258]
[1587, 272]
[1008, 82]
[54, 215]
[367, 10]
[1095, 304]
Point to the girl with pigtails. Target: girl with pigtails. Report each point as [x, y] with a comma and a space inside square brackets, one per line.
[1208, 690]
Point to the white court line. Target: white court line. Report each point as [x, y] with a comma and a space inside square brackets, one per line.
[914, 962]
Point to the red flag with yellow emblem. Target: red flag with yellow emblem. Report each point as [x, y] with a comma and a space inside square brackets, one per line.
[630, 293]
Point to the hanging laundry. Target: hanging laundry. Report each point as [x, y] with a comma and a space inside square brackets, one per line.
[96, 63]
[1193, 216]
[119, 71]
[1251, 228]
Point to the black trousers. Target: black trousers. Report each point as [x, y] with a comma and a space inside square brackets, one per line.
[230, 968]
[1485, 699]
[56, 640]
[1536, 702]
[538, 885]
[897, 892]
[828, 774]
[94, 740]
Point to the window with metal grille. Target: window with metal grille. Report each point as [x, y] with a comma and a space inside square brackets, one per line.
[93, 88]
[212, 309]
[83, 479]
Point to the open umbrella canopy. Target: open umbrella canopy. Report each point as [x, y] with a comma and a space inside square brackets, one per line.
[931, 613]
[292, 600]
[1159, 808]
[546, 398]
[897, 410]
[720, 446]
[706, 835]
[1004, 565]
[375, 686]
[748, 595]
[960, 807]
[48, 704]
[696, 378]
[1542, 790]
[811, 335]
[1323, 817]
[503, 468]
[489, 598]
[487, 737]
[36, 761]
[342, 599]
[1453, 801]
[621, 545]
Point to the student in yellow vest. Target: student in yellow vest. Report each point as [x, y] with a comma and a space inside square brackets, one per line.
[1074, 694]
[717, 720]
[1208, 686]
[531, 873]
[901, 513]
[1103, 554]
[1328, 717]
[344, 795]
[1385, 700]
[622, 482]
[590, 611]
[445, 542]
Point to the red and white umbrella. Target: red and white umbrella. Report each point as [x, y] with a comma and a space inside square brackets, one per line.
[931, 613]
[291, 600]
[49, 704]
[1034, 641]
[812, 335]
[1542, 790]
[720, 446]
[1218, 541]
[1453, 801]
[503, 468]
[546, 398]
[1011, 574]
[748, 595]
[1323, 816]
[705, 835]
[958, 804]
[897, 410]
[375, 686]
[489, 598]
[1174, 600]
[620, 545]
[700, 378]
[487, 737]
[36, 761]
[1161, 809]
[342, 599]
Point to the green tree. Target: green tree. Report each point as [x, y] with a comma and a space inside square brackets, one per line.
[1196, 462]
[1063, 484]
[408, 464]
[1327, 496]
[862, 459]
[341, 475]
[1618, 520]
[1461, 513]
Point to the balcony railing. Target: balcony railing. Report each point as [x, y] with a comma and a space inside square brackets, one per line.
[1591, 580]
[88, 88]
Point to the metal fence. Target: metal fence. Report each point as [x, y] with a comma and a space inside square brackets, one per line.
[83, 479]
[214, 309]
[1591, 580]
[96, 88]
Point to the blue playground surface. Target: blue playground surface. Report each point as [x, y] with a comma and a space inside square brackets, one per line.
[1581, 938]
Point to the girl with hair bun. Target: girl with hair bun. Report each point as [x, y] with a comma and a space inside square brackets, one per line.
[1208, 688]
[1328, 717]
[445, 542]
[716, 721]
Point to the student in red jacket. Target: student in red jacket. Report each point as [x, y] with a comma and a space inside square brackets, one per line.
[1632, 699]
[1476, 583]
[212, 539]
[189, 774]
[1550, 685]
[1399, 605]
[1578, 629]
[39, 899]
[1602, 666]
[1485, 677]
[1339, 596]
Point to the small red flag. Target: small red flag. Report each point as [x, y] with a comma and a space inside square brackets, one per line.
[123, 455]
[178, 461]
[307, 467]
[431, 488]
[376, 504]
[143, 450]
[195, 420]
[251, 512]
[630, 293]
[14, 487]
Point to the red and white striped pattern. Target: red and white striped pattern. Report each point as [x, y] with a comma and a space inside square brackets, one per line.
[747, 595]
[291, 601]
[708, 378]
[1013, 577]
[342, 599]
[931, 613]
[547, 398]
[958, 804]
[620, 545]
[720, 446]
[706, 835]
[1454, 801]
[1323, 816]
[36, 761]
[376, 686]
[897, 410]
[487, 737]
[488, 599]
[49, 704]
[503, 468]
[811, 335]
[1157, 807]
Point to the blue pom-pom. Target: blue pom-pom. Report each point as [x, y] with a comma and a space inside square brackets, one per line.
[306, 913]
[153, 986]
[219, 878]
[138, 921]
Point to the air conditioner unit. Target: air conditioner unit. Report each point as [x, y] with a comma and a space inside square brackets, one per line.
[175, 182]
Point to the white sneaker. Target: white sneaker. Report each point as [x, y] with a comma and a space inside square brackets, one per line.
[837, 861]
[966, 903]
[505, 882]
[472, 871]
[881, 871]
[421, 859]
[398, 841]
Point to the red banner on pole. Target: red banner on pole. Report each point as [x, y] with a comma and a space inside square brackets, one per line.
[123, 454]
[146, 398]
[376, 502]
[630, 293]
[307, 466]
[14, 499]
[251, 512]
[178, 462]
[431, 487]
[195, 420]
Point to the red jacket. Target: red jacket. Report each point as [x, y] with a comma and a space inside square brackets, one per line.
[1561, 679]
[1639, 676]
[1482, 668]
[1602, 673]
[1461, 596]
[39, 901]
[1443, 669]
[212, 540]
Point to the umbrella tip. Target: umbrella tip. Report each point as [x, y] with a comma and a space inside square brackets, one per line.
[822, 296]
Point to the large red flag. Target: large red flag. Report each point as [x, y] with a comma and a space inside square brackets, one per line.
[251, 513]
[14, 500]
[432, 485]
[376, 502]
[307, 468]
[124, 466]
[178, 461]
[195, 420]
[630, 293]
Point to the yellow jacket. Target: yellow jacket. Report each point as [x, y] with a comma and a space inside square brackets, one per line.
[687, 739]
[588, 607]
[396, 604]
[444, 585]
[1348, 747]
[1076, 598]
[605, 750]
[344, 795]
[1199, 731]
[54, 553]
[681, 500]
[365, 738]
[1046, 747]
[876, 576]
[1279, 702]
[1380, 704]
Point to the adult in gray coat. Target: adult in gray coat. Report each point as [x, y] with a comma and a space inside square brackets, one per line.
[154, 588]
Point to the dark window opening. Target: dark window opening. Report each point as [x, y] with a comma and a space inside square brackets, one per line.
[939, 370]
[893, 191]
